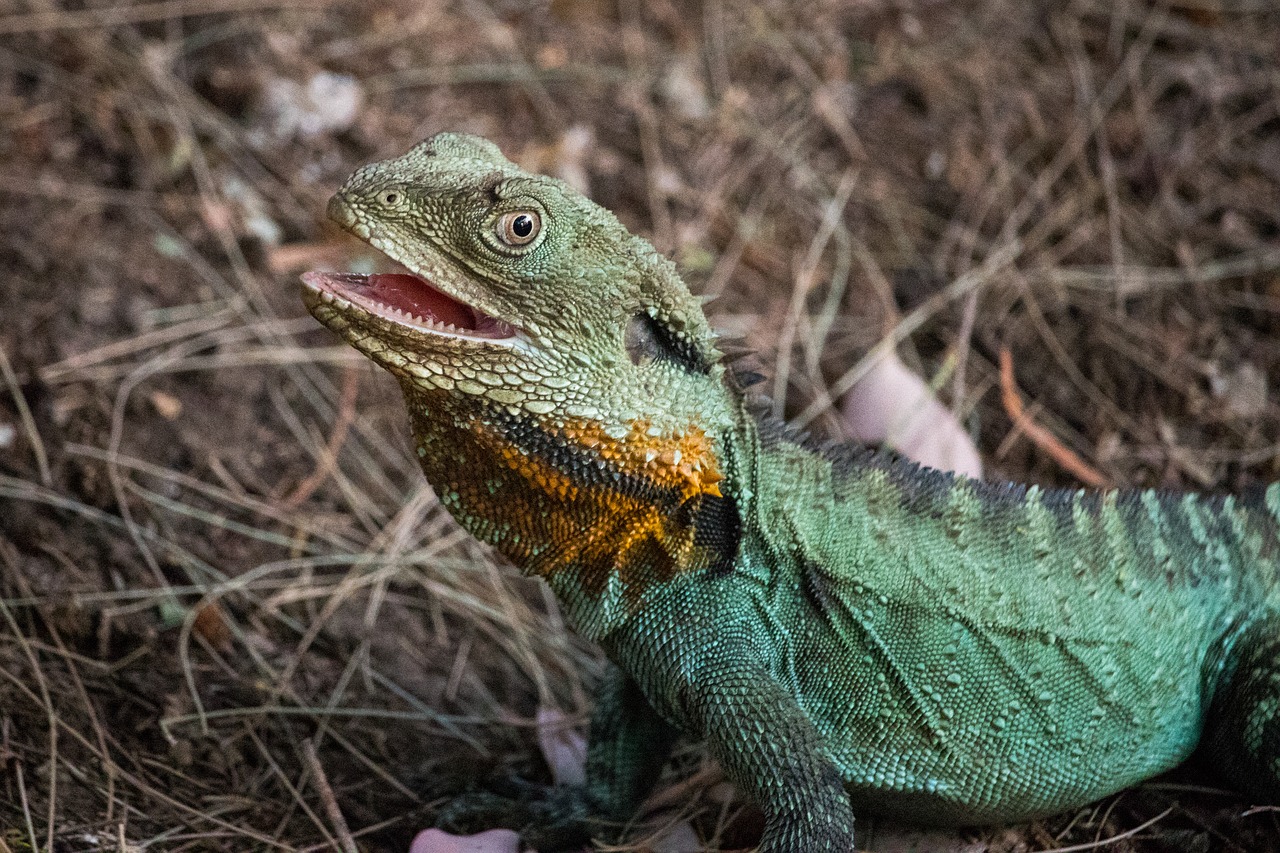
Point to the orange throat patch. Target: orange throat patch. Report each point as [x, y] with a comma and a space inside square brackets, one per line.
[574, 500]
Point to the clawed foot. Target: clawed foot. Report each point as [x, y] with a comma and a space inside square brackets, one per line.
[547, 817]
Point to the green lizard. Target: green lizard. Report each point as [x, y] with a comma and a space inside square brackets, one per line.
[847, 632]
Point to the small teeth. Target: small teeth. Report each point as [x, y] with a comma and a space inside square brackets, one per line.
[400, 315]
[391, 311]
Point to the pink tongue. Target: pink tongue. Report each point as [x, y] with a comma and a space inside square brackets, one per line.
[416, 297]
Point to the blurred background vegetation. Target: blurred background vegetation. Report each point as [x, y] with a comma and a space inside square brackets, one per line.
[215, 549]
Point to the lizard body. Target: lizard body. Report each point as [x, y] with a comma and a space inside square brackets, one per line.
[847, 631]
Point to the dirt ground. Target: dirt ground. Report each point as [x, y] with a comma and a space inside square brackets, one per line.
[216, 554]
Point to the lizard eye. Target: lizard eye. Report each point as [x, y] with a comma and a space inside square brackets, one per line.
[391, 198]
[518, 228]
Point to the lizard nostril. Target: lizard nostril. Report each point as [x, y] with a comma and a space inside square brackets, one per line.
[340, 211]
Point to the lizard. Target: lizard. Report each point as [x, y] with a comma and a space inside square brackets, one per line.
[848, 632]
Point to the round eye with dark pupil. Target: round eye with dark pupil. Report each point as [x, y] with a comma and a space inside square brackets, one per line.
[518, 228]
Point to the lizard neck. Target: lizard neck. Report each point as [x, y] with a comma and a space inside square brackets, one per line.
[604, 514]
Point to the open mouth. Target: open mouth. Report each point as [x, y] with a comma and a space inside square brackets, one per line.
[411, 301]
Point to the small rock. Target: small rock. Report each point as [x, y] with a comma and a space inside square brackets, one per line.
[683, 89]
[166, 405]
[1243, 390]
[326, 103]
[490, 841]
[253, 210]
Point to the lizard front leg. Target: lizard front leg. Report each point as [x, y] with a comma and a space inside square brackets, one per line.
[627, 747]
[766, 745]
[771, 750]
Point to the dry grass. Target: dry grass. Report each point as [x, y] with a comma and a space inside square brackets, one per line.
[216, 555]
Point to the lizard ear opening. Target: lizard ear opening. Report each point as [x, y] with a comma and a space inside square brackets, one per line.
[647, 340]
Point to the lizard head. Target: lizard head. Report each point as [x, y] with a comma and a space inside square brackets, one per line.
[518, 289]
[528, 314]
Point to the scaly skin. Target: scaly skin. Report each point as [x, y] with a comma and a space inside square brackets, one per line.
[846, 632]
